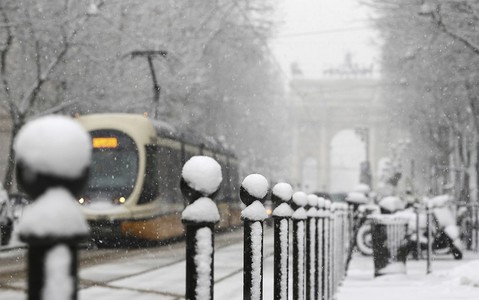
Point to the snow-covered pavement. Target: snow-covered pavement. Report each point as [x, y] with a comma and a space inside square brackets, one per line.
[162, 276]
[450, 279]
[169, 282]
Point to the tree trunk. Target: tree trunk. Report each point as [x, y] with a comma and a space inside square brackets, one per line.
[464, 194]
[8, 179]
[477, 171]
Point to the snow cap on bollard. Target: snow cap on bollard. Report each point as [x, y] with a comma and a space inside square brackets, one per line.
[312, 203]
[281, 195]
[312, 200]
[52, 151]
[253, 192]
[321, 202]
[200, 177]
[53, 157]
[300, 200]
[254, 188]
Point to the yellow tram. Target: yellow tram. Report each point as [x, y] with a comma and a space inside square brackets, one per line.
[133, 188]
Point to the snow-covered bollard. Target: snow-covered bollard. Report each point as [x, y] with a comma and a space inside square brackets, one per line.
[333, 248]
[253, 192]
[344, 237]
[281, 196]
[311, 246]
[53, 157]
[327, 251]
[339, 211]
[321, 249]
[300, 200]
[200, 181]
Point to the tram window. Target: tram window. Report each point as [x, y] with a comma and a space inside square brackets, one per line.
[169, 172]
[151, 180]
[114, 170]
[223, 192]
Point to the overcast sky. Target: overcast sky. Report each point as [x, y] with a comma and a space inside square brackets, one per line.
[317, 34]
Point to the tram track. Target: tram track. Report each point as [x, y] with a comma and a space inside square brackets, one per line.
[13, 261]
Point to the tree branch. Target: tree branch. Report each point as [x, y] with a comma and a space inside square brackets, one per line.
[30, 97]
[437, 17]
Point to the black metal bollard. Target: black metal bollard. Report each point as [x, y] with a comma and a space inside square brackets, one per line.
[253, 192]
[327, 279]
[299, 217]
[53, 157]
[337, 250]
[332, 250]
[342, 242]
[281, 196]
[200, 181]
[320, 252]
[311, 247]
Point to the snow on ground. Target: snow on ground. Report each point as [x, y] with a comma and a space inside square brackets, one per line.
[161, 276]
[449, 279]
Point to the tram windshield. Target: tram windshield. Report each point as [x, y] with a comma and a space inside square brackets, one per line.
[114, 167]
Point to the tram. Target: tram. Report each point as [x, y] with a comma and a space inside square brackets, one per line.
[133, 188]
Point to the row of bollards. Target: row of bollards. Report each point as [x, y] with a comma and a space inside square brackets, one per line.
[319, 230]
[320, 233]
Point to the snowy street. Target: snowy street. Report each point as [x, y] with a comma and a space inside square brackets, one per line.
[450, 279]
[161, 275]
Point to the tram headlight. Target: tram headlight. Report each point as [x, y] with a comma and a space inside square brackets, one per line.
[81, 200]
[121, 200]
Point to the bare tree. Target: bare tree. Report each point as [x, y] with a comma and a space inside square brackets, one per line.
[428, 52]
[36, 38]
[218, 75]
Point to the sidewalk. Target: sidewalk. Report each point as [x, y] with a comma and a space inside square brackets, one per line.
[161, 276]
[168, 283]
[450, 279]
